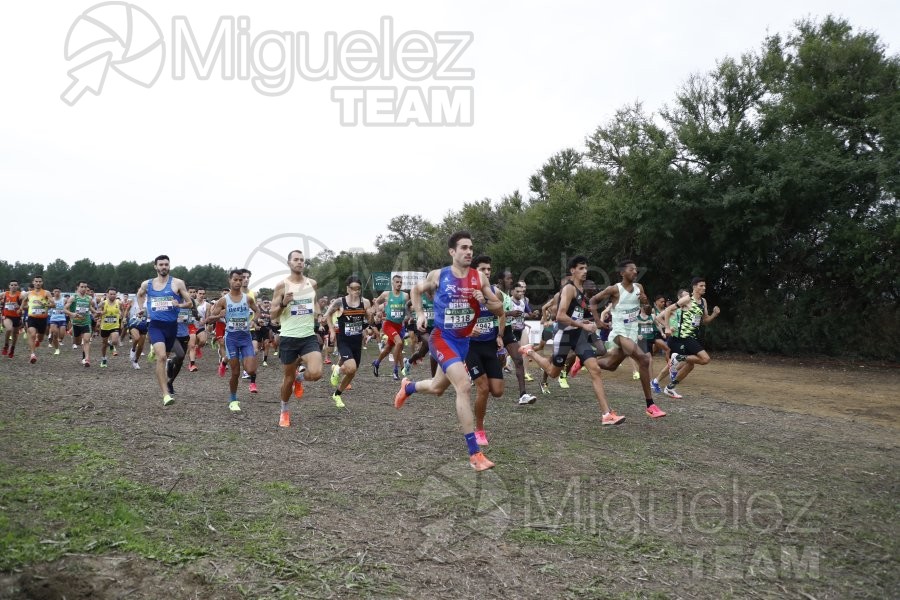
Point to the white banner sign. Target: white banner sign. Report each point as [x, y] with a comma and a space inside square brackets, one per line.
[410, 278]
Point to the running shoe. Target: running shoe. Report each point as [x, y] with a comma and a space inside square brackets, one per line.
[654, 412]
[131, 355]
[152, 356]
[115, 351]
[193, 368]
[74, 346]
[545, 389]
[526, 399]
[265, 362]
[56, 352]
[221, 369]
[635, 375]
[528, 376]
[401, 396]
[253, 389]
[375, 366]
[86, 362]
[275, 353]
[395, 376]
[405, 369]
[11, 352]
[245, 375]
[612, 419]
[5, 351]
[563, 383]
[103, 363]
[480, 462]
[671, 393]
[285, 419]
[481, 437]
[33, 358]
[298, 388]
[327, 361]
[135, 366]
[167, 400]
[234, 406]
[199, 353]
[576, 366]
[337, 400]
[654, 385]
[335, 375]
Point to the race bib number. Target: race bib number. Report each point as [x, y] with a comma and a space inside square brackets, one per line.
[483, 325]
[162, 303]
[397, 313]
[110, 320]
[38, 311]
[184, 317]
[429, 314]
[578, 313]
[645, 328]
[630, 315]
[11, 306]
[301, 308]
[353, 329]
[695, 321]
[238, 324]
[81, 310]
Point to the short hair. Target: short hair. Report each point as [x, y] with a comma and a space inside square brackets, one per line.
[484, 259]
[41, 277]
[623, 264]
[353, 279]
[84, 282]
[300, 252]
[396, 276]
[459, 235]
[697, 280]
[112, 289]
[246, 271]
[575, 261]
[12, 281]
[159, 258]
[658, 296]
[239, 272]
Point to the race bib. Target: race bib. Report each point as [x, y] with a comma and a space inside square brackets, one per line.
[483, 325]
[110, 320]
[81, 310]
[353, 329]
[11, 306]
[429, 314]
[162, 303]
[238, 324]
[578, 314]
[38, 311]
[630, 315]
[695, 321]
[397, 313]
[301, 308]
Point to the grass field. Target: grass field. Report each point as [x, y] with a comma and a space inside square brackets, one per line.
[105, 494]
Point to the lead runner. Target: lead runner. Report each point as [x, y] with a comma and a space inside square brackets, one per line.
[459, 291]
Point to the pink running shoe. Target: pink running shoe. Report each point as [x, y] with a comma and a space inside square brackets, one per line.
[654, 412]
[576, 366]
[481, 437]
[221, 369]
[253, 389]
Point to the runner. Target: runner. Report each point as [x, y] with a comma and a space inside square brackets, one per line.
[459, 291]
[12, 318]
[186, 316]
[57, 321]
[659, 332]
[482, 359]
[111, 315]
[294, 310]
[237, 306]
[394, 302]
[264, 330]
[137, 329]
[514, 316]
[687, 352]
[199, 335]
[353, 310]
[577, 335]
[164, 296]
[81, 307]
[220, 339]
[36, 303]
[626, 299]
[424, 338]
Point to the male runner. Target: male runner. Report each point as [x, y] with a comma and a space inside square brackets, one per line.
[137, 328]
[294, 310]
[626, 299]
[199, 336]
[38, 302]
[81, 307]
[482, 360]
[111, 315]
[12, 318]
[576, 334]
[353, 309]
[164, 296]
[237, 306]
[424, 339]
[57, 320]
[394, 302]
[510, 340]
[459, 291]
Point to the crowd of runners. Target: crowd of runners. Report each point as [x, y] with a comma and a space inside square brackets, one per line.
[461, 325]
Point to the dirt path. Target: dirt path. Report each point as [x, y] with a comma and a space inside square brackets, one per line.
[860, 392]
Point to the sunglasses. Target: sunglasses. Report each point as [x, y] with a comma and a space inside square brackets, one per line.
[354, 288]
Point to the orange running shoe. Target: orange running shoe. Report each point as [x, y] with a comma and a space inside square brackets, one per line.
[654, 412]
[298, 389]
[613, 419]
[285, 420]
[401, 395]
[480, 462]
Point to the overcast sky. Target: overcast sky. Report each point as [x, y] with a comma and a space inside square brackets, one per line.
[208, 170]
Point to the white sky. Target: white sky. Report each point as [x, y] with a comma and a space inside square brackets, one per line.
[205, 171]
